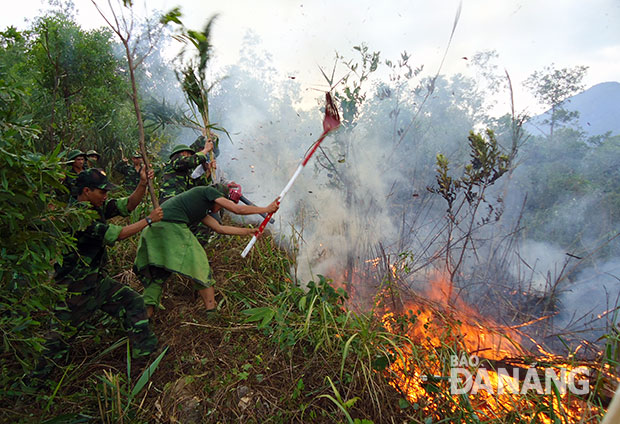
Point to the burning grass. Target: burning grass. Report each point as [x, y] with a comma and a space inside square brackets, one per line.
[277, 353]
[511, 379]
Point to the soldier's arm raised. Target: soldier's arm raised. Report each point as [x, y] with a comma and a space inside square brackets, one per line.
[136, 197]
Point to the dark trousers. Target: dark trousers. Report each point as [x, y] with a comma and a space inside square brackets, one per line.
[112, 297]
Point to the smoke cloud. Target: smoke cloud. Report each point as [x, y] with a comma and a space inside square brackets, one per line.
[367, 188]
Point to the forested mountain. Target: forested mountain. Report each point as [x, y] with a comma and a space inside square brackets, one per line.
[598, 108]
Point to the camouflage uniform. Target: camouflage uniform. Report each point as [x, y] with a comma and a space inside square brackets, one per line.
[176, 176]
[71, 176]
[90, 289]
[206, 178]
[131, 176]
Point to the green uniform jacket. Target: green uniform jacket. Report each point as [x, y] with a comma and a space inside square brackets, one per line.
[131, 176]
[90, 289]
[169, 244]
[176, 175]
[85, 263]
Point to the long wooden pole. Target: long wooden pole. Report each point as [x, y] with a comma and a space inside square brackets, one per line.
[331, 121]
[141, 137]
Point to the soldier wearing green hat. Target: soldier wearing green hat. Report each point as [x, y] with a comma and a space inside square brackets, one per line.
[89, 288]
[130, 172]
[92, 159]
[170, 247]
[176, 173]
[77, 161]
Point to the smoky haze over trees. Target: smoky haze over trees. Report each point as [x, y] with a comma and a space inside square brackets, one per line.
[367, 196]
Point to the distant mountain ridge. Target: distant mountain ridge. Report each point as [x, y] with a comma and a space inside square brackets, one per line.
[598, 107]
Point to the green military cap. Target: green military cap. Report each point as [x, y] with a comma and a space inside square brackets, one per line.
[93, 153]
[75, 153]
[94, 178]
[181, 148]
[137, 154]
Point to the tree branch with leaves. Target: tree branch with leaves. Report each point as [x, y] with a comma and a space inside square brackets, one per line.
[121, 20]
[195, 58]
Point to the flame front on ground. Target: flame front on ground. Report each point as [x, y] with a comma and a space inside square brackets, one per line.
[441, 327]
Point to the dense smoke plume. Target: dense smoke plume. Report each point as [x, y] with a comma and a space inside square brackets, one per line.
[365, 193]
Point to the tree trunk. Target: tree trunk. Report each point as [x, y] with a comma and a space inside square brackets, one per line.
[136, 105]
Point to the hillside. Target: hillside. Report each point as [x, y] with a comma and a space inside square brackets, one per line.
[598, 107]
[274, 353]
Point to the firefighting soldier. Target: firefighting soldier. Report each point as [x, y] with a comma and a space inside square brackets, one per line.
[177, 172]
[77, 159]
[88, 286]
[169, 246]
[130, 173]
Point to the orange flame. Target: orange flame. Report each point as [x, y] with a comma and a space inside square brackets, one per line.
[445, 325]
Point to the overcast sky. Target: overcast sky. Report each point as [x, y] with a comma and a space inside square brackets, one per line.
[302, 35]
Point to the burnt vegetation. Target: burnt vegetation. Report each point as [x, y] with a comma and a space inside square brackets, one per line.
[422, 251]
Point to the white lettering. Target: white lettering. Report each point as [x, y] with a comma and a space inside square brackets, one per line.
[552, 378]
[454, 381]
[584, 385]
[474, 361]
[454, 361]
[483, 382]
[511, 383]
[532, 381]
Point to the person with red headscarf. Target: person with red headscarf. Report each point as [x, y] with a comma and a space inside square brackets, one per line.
[169, 246]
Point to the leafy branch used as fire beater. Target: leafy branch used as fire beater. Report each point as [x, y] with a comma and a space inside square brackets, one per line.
[331, 121]
[193, 82]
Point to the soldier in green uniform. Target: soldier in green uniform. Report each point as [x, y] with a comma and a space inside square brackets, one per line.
[130, 173]
[82, 271]
[77, 159]
[169, 246]
[177, 172]
[207, 176]
[92, 159]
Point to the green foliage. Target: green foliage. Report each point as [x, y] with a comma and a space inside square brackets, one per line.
[52, 63]
[173, 15]
[353, 97]
[193, 76]
[295, 316]
[160, 114]
[566, 181]
[35, 227]
[465, 196]
[552, 87]
[487, 164]
[75, 103]
[343, 405]
[317, 322]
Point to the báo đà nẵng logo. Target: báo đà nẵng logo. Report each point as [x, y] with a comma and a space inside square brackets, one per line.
[541, 380]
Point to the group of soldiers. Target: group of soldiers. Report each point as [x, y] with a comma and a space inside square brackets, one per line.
[167, 244]
[79, 161]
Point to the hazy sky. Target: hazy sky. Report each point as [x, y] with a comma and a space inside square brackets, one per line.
[302, 35]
